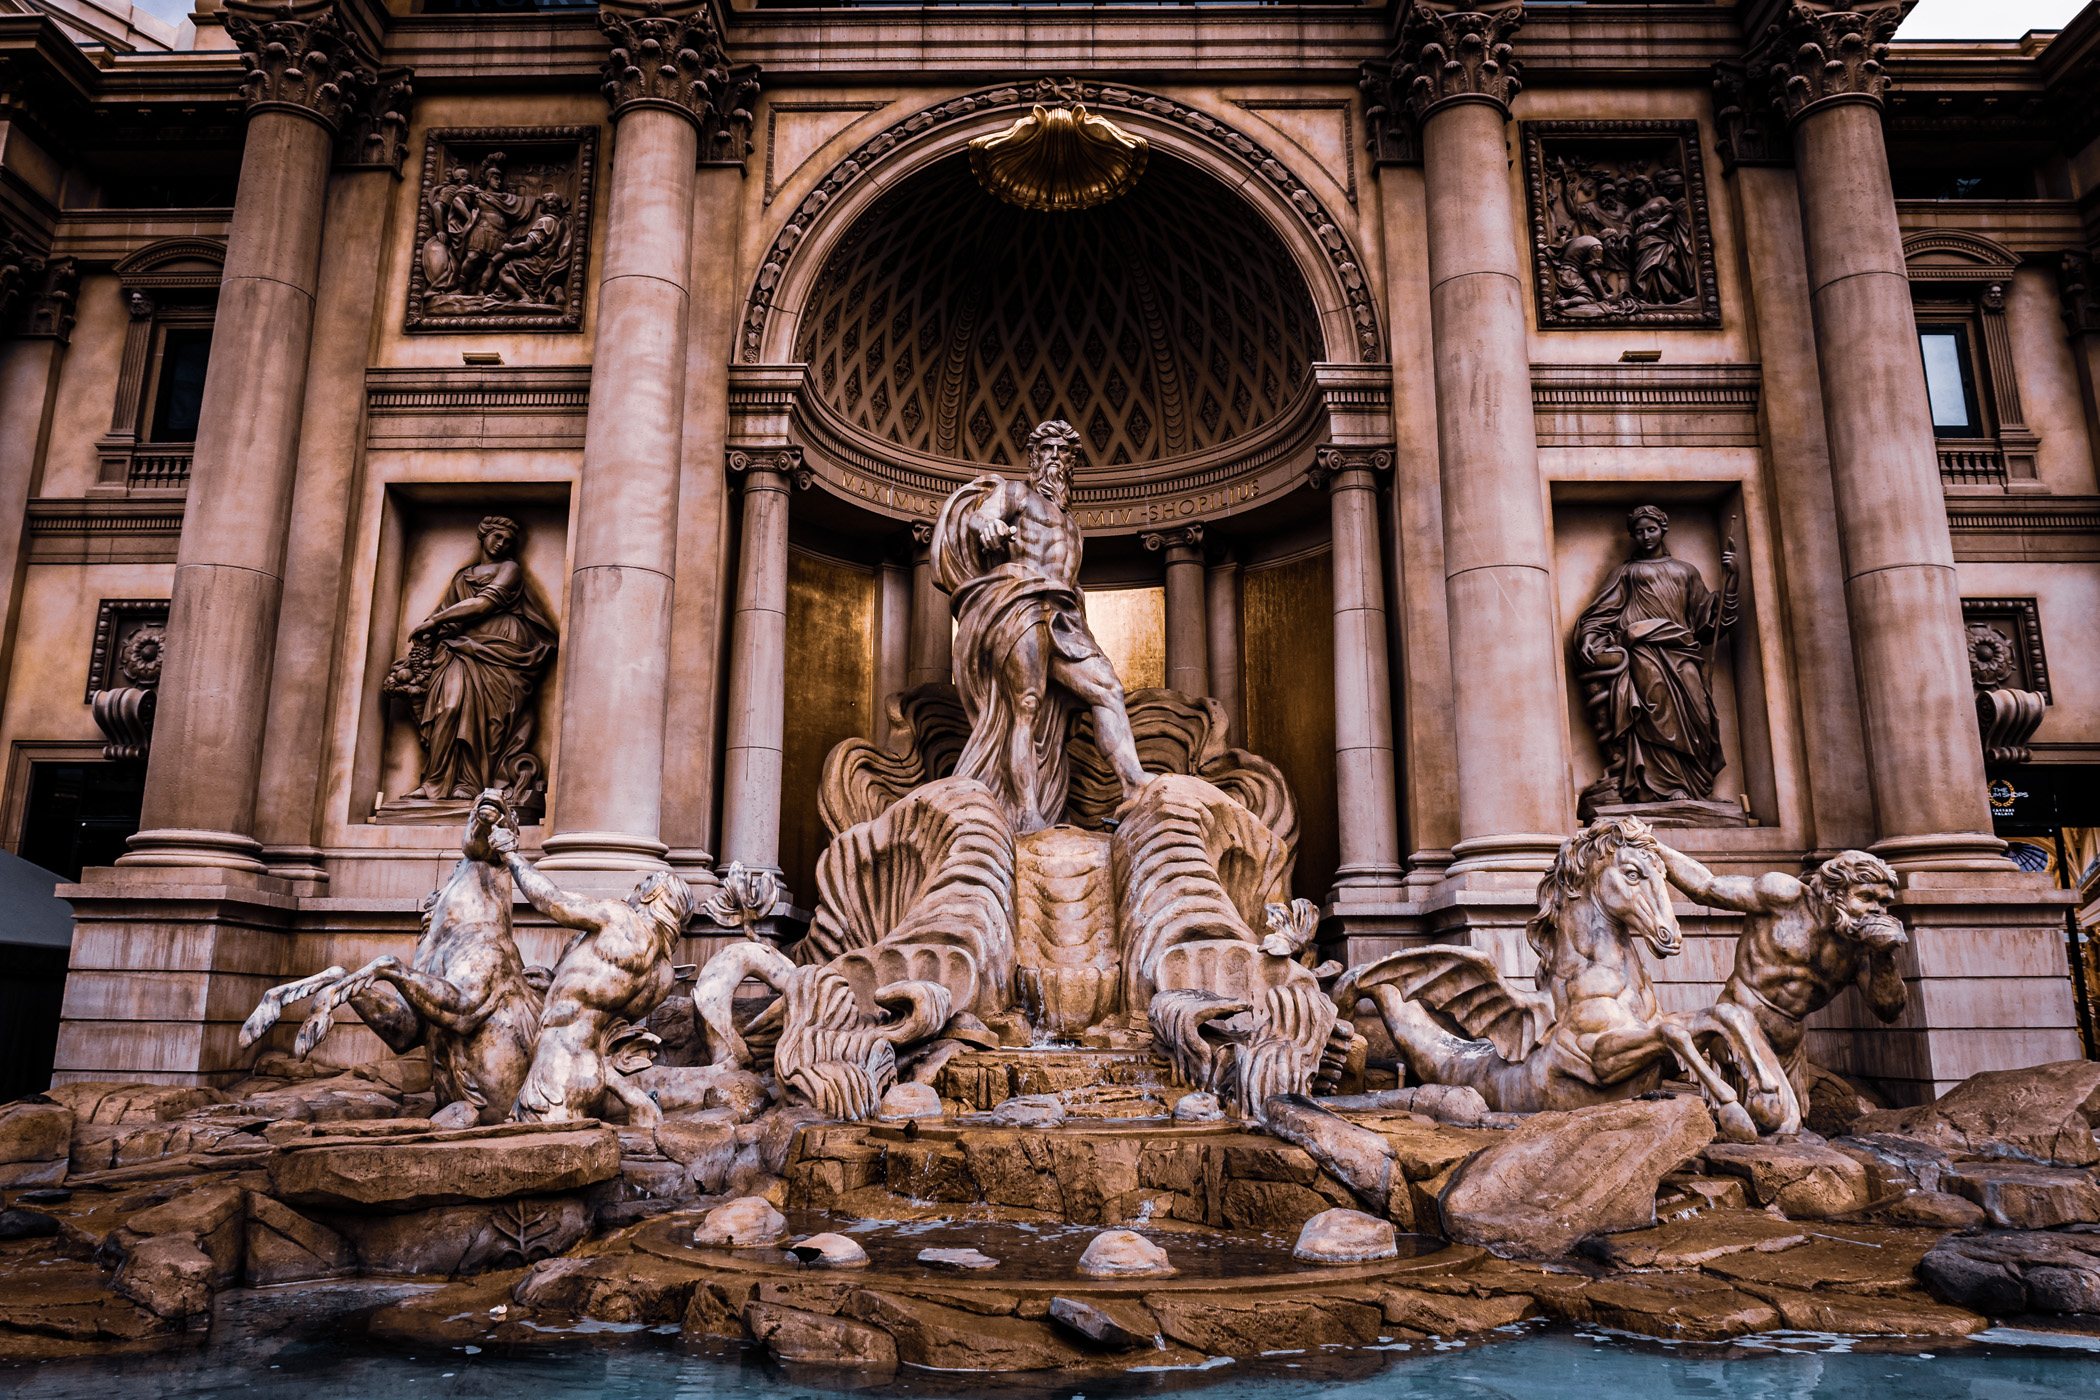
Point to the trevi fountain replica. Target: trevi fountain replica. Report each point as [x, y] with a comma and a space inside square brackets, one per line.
[1057, 1081]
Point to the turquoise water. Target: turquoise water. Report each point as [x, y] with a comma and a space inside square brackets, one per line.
[301, 1343]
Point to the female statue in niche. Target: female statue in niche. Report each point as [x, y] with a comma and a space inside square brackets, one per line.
[471, 670]
[1643, 657]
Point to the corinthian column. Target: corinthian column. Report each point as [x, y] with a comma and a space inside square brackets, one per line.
[304, 70]
[1368, 803]
[758, 660]
[669, 85]
[1925, 766]
[1459, 73]
[1188, 629]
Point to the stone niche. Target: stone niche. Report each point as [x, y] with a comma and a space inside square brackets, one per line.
[503, 223]
[1590, 541]
[1619, 232]
[429, 533]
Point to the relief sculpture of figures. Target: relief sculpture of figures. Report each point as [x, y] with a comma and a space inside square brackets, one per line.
[471, 672]
[494, 248]
[1008, 552]
[1644, 659]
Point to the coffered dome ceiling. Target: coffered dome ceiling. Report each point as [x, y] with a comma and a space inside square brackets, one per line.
[1164, 323]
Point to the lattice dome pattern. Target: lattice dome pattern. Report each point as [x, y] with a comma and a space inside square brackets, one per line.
[1164, 323]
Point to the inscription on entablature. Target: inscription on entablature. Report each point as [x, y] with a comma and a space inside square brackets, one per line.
[503, 226]
[1619, 225]
[1159, 512]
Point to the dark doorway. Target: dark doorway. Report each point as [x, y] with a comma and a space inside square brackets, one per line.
[80, 814]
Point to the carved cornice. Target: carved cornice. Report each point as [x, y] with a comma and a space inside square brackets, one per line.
[1182, 537]
[299, 59]
[1815, 54]
[779, 461]
[1331, 462]
[1240, 149]
[375, 132]
[1448, 52]
[675, 60]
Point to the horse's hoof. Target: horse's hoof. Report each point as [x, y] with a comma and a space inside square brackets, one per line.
[1735, 1123]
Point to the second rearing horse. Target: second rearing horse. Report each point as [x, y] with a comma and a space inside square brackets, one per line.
[1596, 1032]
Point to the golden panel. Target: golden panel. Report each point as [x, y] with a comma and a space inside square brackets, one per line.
[1131, 625]
[1287, 685]
[830, 675]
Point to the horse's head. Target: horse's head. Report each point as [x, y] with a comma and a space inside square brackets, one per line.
[1618, 865]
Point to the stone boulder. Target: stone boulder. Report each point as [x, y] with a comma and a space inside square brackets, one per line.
[1807, 1181]
[2045, 1114]
[835, 1251]
[20, 1224]
[458, 1240]
[35, 1137]
[1693, 1240]
[949, 1339]
[283, 1246]
[1342, 1236]
[742, 1224]
[2025, 1271]
[1562, 1176]
[812, 1338]
[484, 1164]
[214, 1217]
[1198, 1108]
[107, 1103]
[1030, 1111]
[1123, 1254]
[908, 1100]
[2024, 1195]
[168, 1275]
[1120, 1323]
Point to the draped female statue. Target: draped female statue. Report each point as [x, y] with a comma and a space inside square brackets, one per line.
[470, 672]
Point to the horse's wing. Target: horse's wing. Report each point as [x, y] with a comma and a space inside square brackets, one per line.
[1461, 985]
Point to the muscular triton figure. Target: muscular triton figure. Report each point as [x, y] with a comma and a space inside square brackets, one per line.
[1008, 553]
[1803, 942]
[613, 973]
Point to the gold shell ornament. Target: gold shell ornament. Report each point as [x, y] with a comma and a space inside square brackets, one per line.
[1058, 158]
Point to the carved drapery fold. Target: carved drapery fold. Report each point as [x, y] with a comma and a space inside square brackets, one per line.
[1818, 53]
[301, 60]
[1456, 53]
[676, 60]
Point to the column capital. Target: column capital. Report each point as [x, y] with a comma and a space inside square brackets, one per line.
[36, 293]
[1445, 52]
[1748, 129]
[1331, 462]
[1182, 537]
[672, 57]
[2078, 293]
[783, 462]
[1815, 54]
[300, 58]
[375, 128]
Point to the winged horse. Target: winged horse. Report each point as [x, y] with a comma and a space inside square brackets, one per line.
[1596, 1033]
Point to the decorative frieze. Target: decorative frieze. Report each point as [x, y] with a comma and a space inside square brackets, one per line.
[1619, 231]
[1821, 53]
[299, 59]
[1456, 53]
[676, 60]
[503, 229]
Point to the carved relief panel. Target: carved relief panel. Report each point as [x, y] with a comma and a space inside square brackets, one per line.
[503, 226]
[1619, 228]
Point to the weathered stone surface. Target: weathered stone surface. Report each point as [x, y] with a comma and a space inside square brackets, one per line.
[927, 1171]
[1343, 1236]
[103, 1102]
[714, 1312]
[1693, 1240]
[70, 1299]
[631, 1288]
[819, 1340]
[706, 1148]
[1012, 1169]
[1030, 1111]
[412, 1175]
[283, 1246]
[973, 1259]
[1679, 1306]
[1880, 1262]
[2046, 1113]
[35, 1132]
[1278, 1207]
[168, 1275]
[944, 1338]
[1805, 1180]
[34, 1175]
[1424, 1150]
[2023, 1271]
[1931, 1210]
[742, 1224]
[1562, 1176]
[1909, 1314]
[211, 1215]
[454, 1116]
[909, 1100]
[1452, 1315]
[1123, 1254]
[680, 1087]
[1113, 1322]
[2026, 1196]
[450, 1241]
[1233, 1325]
[1198, 1108]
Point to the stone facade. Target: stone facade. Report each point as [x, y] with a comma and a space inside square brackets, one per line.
[1407, 311]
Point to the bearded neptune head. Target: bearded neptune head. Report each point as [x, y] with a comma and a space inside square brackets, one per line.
[1053, 451]
[1856, 890]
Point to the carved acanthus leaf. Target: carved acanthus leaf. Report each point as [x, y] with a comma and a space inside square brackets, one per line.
[1816, 53]
[1450, 52]
[36, 293]
[375, 131]
[677, 60]
[299, 58]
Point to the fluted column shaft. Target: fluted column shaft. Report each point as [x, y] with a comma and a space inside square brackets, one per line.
[758, 668]
[609, 790]
[1509, 721]
[1925, 765]
[199, 808]
[1365, 794]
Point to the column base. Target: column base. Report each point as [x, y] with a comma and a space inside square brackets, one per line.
[179, 848]
[300, 866]
[1944, 850]
[1519, 850]
[602, 850]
